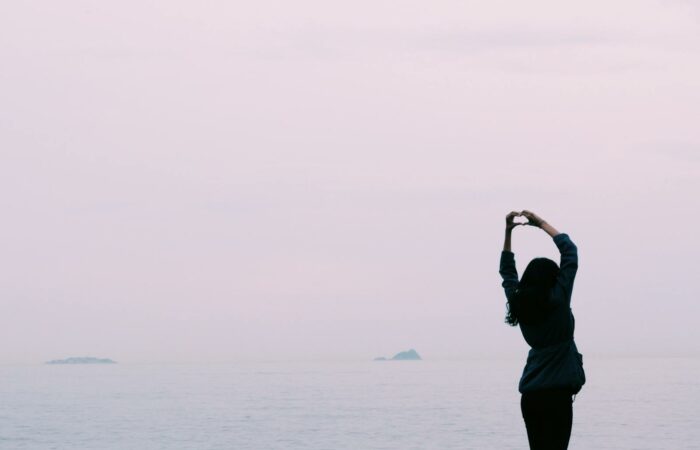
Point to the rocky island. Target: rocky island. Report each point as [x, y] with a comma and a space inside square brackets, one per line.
[82, 360]
[409, 355]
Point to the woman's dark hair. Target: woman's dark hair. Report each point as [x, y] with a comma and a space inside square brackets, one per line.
[530, 302]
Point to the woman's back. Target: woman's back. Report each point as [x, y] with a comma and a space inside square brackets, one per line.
[553, 361]
[558, 325]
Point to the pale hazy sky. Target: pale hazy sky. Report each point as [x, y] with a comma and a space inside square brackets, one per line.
[222, 181]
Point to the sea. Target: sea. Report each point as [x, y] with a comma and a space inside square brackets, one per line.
[627, 403]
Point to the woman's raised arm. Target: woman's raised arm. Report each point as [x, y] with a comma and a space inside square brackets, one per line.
[536, 221]
[507, 266]
[568, 265]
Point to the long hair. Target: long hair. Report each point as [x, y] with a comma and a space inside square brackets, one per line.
[530, 302]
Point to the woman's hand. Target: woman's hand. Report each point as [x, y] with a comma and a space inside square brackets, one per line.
[509, 227]
[509, 220]
[533, 219]
[536, 221]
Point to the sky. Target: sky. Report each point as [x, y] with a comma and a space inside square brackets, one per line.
[312, 180]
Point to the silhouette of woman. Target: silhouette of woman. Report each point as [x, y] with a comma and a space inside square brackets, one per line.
[540, 302]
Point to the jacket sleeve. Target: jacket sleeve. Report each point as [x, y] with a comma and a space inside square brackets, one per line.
[567, 268]
[509, 273]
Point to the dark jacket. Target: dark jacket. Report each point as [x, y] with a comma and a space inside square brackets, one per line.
[553, 361]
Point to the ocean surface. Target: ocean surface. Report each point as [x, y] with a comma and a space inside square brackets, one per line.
[628, 403]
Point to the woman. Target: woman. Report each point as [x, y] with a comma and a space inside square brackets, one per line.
[540, 303]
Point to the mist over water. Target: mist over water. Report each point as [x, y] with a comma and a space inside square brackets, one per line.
[641, 403]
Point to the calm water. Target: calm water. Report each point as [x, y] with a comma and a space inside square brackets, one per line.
[627, 404]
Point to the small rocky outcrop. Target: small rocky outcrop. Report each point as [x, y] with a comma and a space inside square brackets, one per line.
[408, 355]
[82, 360]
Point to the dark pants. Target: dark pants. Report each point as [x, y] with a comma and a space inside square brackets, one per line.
[548, 416]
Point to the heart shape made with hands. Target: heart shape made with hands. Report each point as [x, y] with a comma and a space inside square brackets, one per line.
[523, 220]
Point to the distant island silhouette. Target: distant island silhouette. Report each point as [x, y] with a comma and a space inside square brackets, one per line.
[409, 355]
[82, 360]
